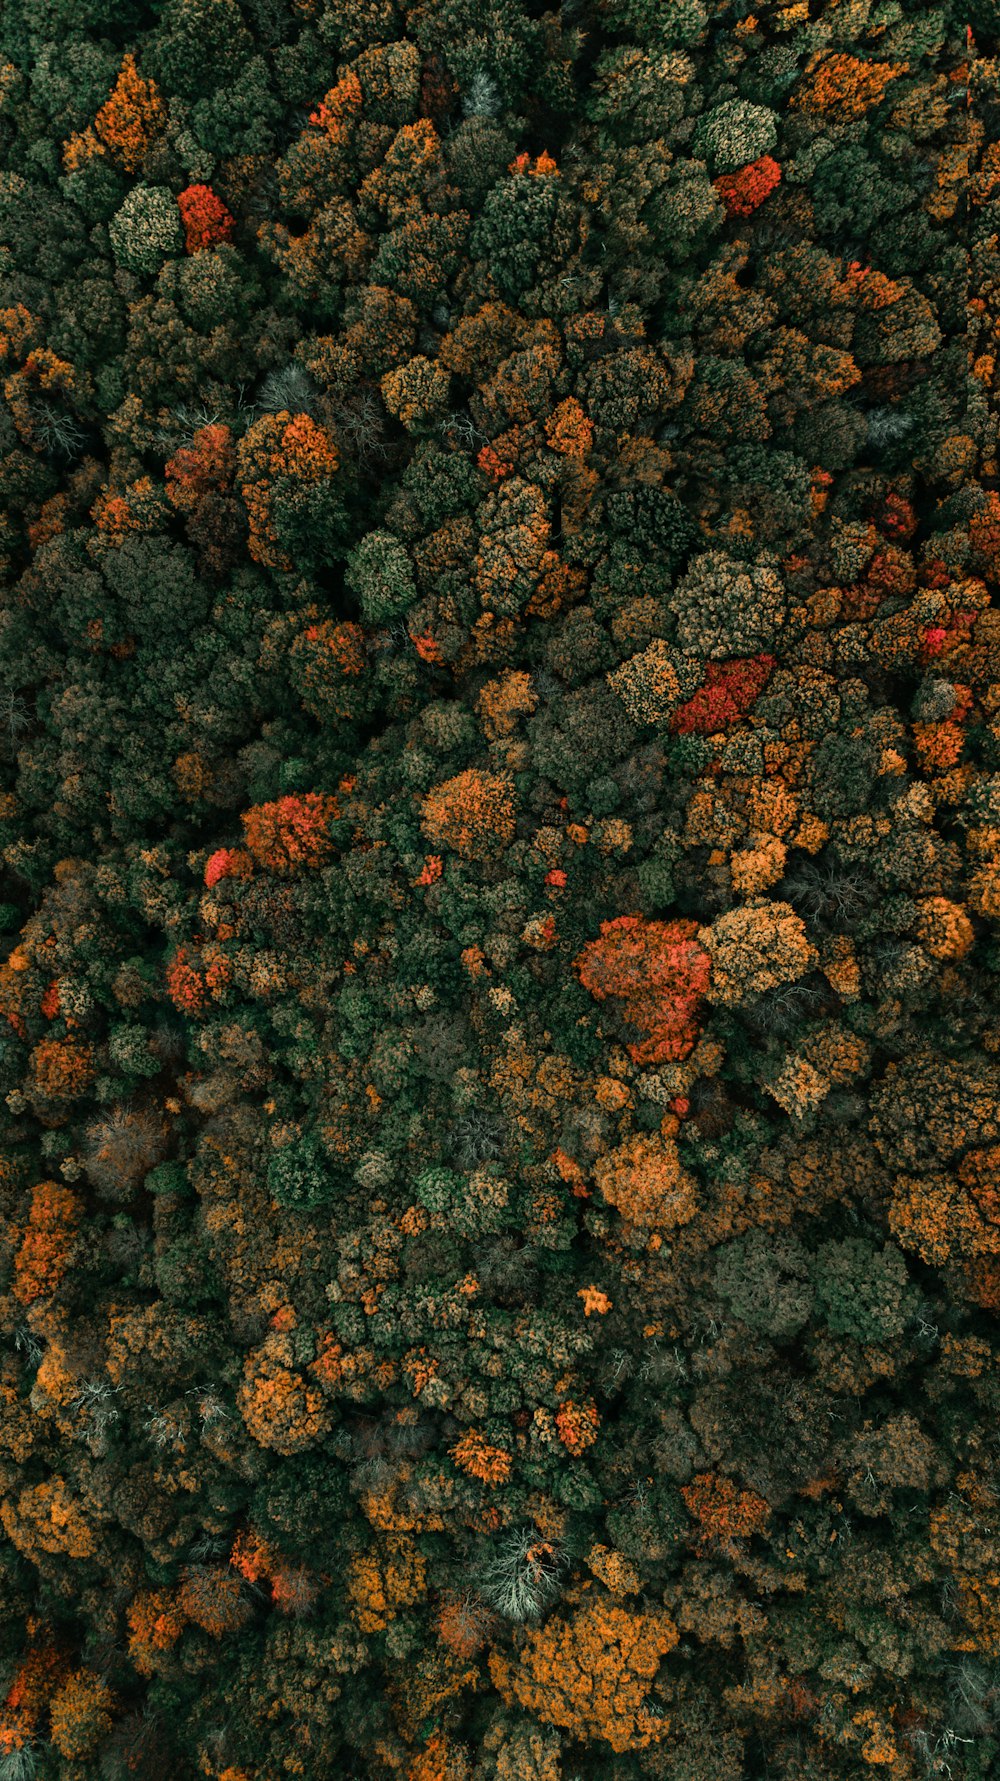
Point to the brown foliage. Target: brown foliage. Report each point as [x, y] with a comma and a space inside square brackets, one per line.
[214, 1597]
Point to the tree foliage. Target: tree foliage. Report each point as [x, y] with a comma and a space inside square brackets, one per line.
[499, 869]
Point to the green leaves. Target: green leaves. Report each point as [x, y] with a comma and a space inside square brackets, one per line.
[146, 230]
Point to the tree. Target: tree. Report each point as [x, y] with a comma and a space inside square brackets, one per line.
[473, 813]
[49, 1241]
[156, 1621]
[744, 192]
[389, 1577]
[928, 1111]
[512, 549]
[417, 393]
[328, 663]
[590, 1674]
[474, 1454]
[729, 690]
[660, 972]
[380, 572]
[283, 1411]
[80, 1714]
[755, 949]
[724, 1513]
[644, 1180]
[146, 230]
[286, 466]
[292, 833]
[845, 85]
[763, 1281]
[199, 485]
[199, 45]
[863, 1292]
[131, 118]
[521, 222]
[734, 134]
[725, 608]
[214, 1599]
[205, 218]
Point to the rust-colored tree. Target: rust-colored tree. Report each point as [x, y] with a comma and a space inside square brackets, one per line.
[48, 1243]
[292, 833]
[659, 971]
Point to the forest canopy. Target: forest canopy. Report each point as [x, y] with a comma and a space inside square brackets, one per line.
[499, 881]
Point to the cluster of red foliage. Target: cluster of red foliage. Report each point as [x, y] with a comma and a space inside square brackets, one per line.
[743, 192]
[206, 220]
[659, 971]
[729, 690]
[227, 862]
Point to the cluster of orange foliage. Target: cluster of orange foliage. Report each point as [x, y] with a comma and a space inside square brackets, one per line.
[644, 1179]
[61, 1069]
[280, 1407]
[724, 1512]
[755, 947]
[294, 1588]
[129, 121]
[36, 1680]
[80, 1714]
[577, 1424]
[472, 813]
[185, 983]
[137, 508]
[45, 1517]
[590, 1674]
[292, 833]
[941, 1216]
[594, 1300]
[843, 84]
[389, 1577]
[279, 448]
[476, 1456]
[503, 702]
[155, 1621]
[195, 470]
[569, 430]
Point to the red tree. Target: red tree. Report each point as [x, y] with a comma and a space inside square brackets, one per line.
[729, 689]
[206, 219]
[660, 972]
[742, 192]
